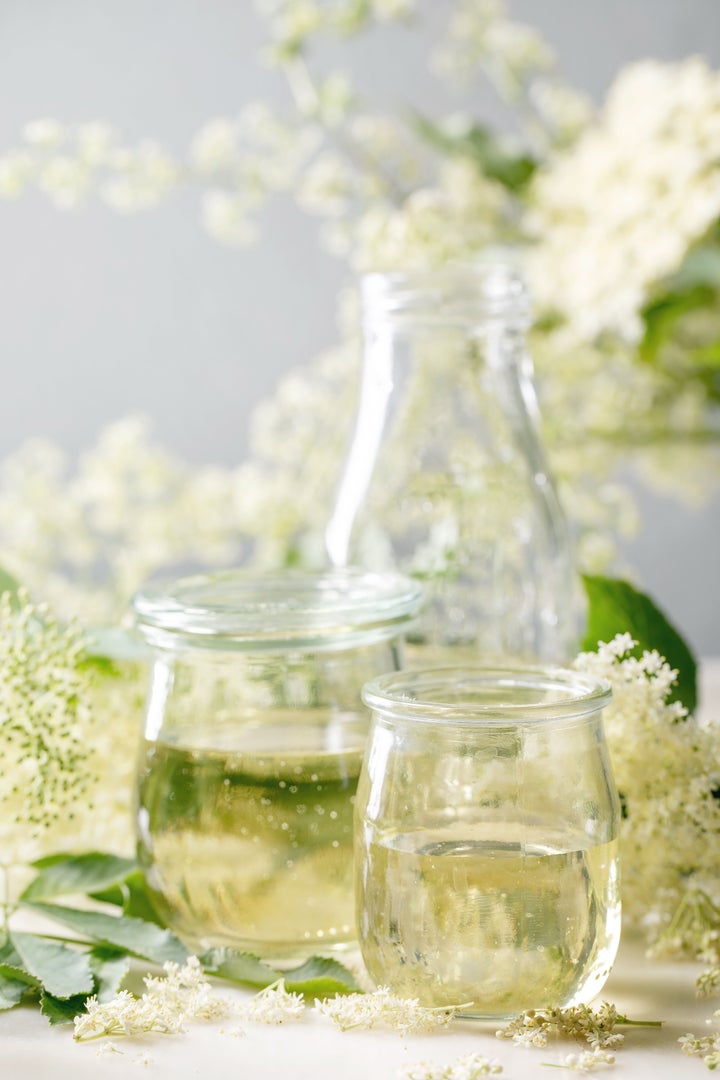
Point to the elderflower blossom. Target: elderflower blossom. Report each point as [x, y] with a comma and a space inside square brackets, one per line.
[588, 1060]
[468, 1067]
[708, 983]
[596, 1026]
[637, 190]
[667, 768]
[166, 1007]
[405, 1015]
[47, 729]
[273, 1005]
[705, 1046]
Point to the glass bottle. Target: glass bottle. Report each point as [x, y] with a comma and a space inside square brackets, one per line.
[254, 737]
[446, 477]
[486, 839]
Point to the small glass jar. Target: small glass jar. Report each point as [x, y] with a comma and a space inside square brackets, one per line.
[254, 737]
[486, 829]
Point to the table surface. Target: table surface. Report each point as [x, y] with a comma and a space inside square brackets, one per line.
[312, 1049]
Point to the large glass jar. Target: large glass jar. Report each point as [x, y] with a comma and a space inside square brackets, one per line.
[254, 737]
[446, 477]
[487, 839]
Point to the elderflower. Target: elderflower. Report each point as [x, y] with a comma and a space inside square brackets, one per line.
[469, 1067]
[709, 982]
[588, 1060]
[667, 768]
[627, 201]
[705, 1046]
[46, 729]
[596, 1026]
[405, 1015]
[166, 1007]
[273, 1005]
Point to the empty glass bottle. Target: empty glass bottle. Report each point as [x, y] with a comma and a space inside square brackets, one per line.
[446, 476]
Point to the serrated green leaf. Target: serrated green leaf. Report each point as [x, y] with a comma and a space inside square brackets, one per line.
[12, 991]
[63, 971]
[109, 968]
[143, 939]
[62, 1010]
[16, 971]
[616, 607]
[240, 967]
[74, 874]
[320, 976]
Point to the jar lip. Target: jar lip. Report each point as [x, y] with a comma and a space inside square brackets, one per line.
[485, 287]
[469, 696]
[246, 608]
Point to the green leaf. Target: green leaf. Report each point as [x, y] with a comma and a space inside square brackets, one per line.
[12, 991]
[317, 977]
[62, 1010]
[109, 968]
[240, 967]
[143, 939]
[78, 874]
[321, 977]
[132, 896]
[16, 971]
[63, 971]
[615, 607]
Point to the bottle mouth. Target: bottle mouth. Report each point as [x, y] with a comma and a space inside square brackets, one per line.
[242, 609]
[492, 697]
[456, 293]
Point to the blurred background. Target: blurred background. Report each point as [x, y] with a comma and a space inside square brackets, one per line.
[105, 314]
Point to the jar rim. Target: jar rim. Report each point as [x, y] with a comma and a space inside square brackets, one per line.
[478, 696]
[246, 609]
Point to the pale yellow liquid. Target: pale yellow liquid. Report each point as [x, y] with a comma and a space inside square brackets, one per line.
[498, 926]
[251, 849]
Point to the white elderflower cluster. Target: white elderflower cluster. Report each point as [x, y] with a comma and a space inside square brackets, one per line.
[595, 1026]
[588, 1061]
[706, 1047]
[273, 1005]
[405, 1015]
[166, 1007]
[453, 220]
[86, 539]
[519, 62]
[629, 199]
[667, 768]
[293, 21]
[47, 732]
[468, 1067]
[708, 983]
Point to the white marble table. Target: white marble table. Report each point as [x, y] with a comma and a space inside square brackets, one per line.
[311, 1049]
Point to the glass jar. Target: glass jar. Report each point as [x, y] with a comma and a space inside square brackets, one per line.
[486, 828]
[446, 477]
[254, 737]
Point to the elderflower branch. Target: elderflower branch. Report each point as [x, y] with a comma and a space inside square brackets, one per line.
[167, 1006]
[405, 1015]
[595, 1026]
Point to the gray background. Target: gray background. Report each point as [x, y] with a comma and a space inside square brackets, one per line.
[102, 315]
